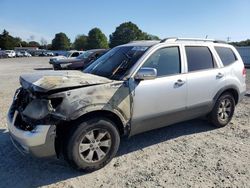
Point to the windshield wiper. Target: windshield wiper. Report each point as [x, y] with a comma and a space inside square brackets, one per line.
[122, 68]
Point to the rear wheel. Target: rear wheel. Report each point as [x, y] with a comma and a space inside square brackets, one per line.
[92, 144]
[223, 110]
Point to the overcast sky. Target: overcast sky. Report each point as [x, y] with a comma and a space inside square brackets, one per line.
[218, 19]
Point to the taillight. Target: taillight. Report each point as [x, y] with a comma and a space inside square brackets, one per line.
[244, 72]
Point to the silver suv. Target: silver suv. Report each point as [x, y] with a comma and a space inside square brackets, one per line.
[133, 88]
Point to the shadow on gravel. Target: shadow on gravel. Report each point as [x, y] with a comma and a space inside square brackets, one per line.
[146, 139]
[17, 170]
[43, 68]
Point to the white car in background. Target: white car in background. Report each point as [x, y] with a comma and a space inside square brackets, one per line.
[10, 53]
[68, 55]
[27, 54]
[23, 54]
[50, 53]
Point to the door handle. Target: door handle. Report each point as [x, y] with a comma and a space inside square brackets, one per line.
[179, 83]
[219, 75]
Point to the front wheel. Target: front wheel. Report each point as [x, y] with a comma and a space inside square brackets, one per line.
[92, 144]
[223, 110]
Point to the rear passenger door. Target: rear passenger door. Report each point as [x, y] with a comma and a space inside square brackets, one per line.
[233, 70]
[204, 79]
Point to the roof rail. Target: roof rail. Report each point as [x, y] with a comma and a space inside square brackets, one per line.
[135, 41]
[174, 39]
[169, 39]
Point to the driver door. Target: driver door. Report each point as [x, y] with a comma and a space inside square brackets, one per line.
[160, 101]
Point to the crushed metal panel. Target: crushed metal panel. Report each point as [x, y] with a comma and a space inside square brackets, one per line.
[114, 97]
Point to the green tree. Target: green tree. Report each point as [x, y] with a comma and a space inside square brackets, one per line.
[44, 43]
[96, 39]
[125, 33]
[241, 43]
[34, 44]
[150, 37]
[24, 44]
[17, 42]
[8, 42]
[81, 42]
[61, 42]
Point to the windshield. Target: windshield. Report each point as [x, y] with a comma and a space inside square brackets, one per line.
[85, 55]
[67, 54]
[117, 62]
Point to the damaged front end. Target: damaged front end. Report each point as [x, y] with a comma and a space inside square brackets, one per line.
[34, 110]
[45, 102]
[31, 124]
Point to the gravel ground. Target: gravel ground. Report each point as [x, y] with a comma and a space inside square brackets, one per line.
[189, 154]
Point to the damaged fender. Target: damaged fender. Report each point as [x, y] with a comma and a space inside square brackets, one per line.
[113, 97]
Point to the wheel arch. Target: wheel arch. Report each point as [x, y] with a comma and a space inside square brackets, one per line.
[64, 128]
[230, 89]
[105, 114]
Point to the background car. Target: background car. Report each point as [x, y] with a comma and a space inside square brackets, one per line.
[19, 54]
[10, 53]
[67, 55]
[45, 54]
[80, 62]
[3, 54]
[49, 53]
[23, 54]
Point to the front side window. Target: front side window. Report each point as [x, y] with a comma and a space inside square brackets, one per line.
[226, 55]
[75, 54]
[166, 61]
[117, 62]
[199, 58]
[85, 55]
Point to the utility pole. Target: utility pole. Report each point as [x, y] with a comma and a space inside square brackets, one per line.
[228, 39]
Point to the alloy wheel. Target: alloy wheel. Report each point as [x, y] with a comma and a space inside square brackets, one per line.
[225, 109]
[95, 145]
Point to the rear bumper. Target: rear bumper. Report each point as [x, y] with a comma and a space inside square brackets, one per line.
[40, 142]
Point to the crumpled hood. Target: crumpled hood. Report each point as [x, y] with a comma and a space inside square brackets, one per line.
[47, 81]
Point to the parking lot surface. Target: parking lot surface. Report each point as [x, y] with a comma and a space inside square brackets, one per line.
[189, 154]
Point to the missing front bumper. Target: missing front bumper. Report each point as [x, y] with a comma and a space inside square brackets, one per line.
[40, 142]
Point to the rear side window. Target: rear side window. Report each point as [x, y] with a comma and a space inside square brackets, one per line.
[199, 58]
[227, 56]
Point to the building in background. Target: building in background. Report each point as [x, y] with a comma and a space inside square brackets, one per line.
[245, 54]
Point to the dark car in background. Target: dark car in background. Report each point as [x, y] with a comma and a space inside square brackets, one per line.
[80, 62]
[3, 54]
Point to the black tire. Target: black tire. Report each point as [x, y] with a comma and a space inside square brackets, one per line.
[72, 152]
[55, 67]
[216, 116]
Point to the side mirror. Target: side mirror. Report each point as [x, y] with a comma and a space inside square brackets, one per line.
[146, 74]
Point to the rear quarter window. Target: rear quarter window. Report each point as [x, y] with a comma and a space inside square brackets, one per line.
[226, 55]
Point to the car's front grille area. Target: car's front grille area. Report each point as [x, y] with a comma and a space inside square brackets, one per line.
[21, 99]
[21, 124]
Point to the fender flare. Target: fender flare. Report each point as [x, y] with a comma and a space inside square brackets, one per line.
[218, 94]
